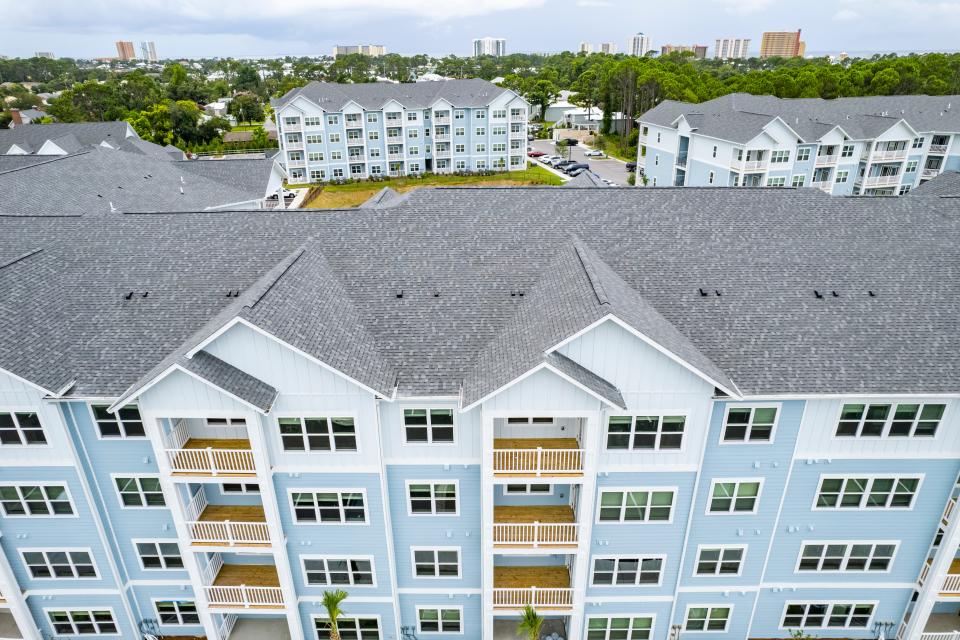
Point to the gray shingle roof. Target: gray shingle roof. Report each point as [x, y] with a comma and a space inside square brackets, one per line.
[86, 133]
[739, 117]
[458, 253]
[155, 151]
[250, 176]
[945, 184]
[232, 380]
[472, 92]
[603, 388]
[585, 179]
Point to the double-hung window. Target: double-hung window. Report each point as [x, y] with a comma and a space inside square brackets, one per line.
[645, 432]
[443, 562]
[867, 492]
[779, 157]
[35, 500]
[749, 424]
[528, 489]
[619, 571]
[639, 505]
[350, 628]
[734, 496]
[707, 618]
[318, 434]
[338, 571]
[83, 622]
[64, 564]
[329, 507]
[831, 615]
[428, 426]
[21, 428]
[177, 612]
[439, 619]
[803, 154]
[140, 491]
[619, 628]
[846, 556]
[720, 560]
[159, 554]
[903, 420]
[432, 498]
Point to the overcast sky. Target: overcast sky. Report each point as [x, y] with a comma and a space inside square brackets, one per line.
[239, 28]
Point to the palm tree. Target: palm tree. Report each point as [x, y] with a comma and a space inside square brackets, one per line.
[530, 623]
[331, 602]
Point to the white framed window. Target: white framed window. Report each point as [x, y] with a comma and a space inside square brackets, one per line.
[358, 628]
[412, 116]
[177, 612]
[481, 148]
[374, 153]
[902, 420]
[226, 423]
[710, 176]
[636, 505]
[904, 189]
[432, 498]
[332, 120]
[799, 180]
[376, 169]
[35, 500]
[333, 137]
[719, 560]
[778, 181]
[528, 489]
[847, 151]
[645, 432]
[428, 426]
[317, 175]
[480, 114]
[338, 172]
[317, 434]
[911, 166]
[619, 627]
[373, 135]
[314, 138]
[139, 491]
[439, 619]
[125, 423]
[917, 143]
[498, 114]
[622, 571]
[499, 147]
[749, 423]
[481, 131]
[413, 134]
[335, 570]
[867, 492]
[830, 556]
[707, 617]
[315, 156]
[20, 428]
[656, 157]
[460, 165]
[842, 176]
[803, 154]
[733, 495]
[291, 120]
[337, 155]
[351, 118]
[414, 167]
[714, 151]
[227, 488]
[414, 151]
[158, 555]
[436, 562]
[827, 615]
[329, 506]
[460, 148]
[458, 114]
[779, 157]
[61, 564]
[313, 121]
[460, 131]
[83, 622]
[498, 131]
[372, 117]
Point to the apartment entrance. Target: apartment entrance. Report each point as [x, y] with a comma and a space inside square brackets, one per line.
[554, 628]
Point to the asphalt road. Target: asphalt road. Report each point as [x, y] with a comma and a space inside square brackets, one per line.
[609, 168]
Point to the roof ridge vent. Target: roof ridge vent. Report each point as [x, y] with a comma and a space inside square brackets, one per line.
[592, 276]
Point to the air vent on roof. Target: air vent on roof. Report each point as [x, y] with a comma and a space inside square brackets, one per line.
[399, 293]
[516, 293]
[817, 294]
[872, 294]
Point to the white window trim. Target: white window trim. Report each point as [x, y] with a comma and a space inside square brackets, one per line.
[347, 616]
[732, 512]
[90, 609]
[846, 556]
[362, 491]
[753, 406]
[888, 422]
[722, 547]
[348, 558]
[549, 492]
[660, 415]
[645, 521]
[156, 541]
[433, 504]
[303, 432]
[622, 556]
[12, 410]
[829, 603]
[116, 490]
[413, 563]
[438, 608]
[243, 492]
[154, 601]
[871, 477]
[709, 607]
[46, 550]
[27, 483]
[631, 616]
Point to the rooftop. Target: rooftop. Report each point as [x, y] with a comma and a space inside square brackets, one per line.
[472, 92]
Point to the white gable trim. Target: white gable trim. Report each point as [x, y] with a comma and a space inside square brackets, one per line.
[15, 150]
[27, 382]
[50, 148]
[521, 378]
[784, 123]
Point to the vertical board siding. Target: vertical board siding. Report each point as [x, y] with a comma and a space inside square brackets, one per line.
[16, 395]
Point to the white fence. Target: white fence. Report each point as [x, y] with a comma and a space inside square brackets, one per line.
[538, 461]
[244, 596]
[535, 534]
[519, 598]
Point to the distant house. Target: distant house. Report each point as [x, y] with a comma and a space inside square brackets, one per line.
[556, 110]
[24, 116]
[246, 136]
[591, 119]
[60, 139]
[216, 109]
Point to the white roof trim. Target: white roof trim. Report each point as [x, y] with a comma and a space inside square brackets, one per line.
[524, 376]
[27, 382]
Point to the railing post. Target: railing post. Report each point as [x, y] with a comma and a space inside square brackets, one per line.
[539, 460]
[243, 596]
[213, 467]
[533, 597]
[536, 533]
[230, 540]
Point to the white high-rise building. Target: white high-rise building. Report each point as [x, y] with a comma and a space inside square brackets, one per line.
[608, 47]
[731, 48]
[586, 47]
[148, 51]
[489, 47]
[639, 44]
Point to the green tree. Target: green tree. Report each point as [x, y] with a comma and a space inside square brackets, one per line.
[154, 124]
[259, 139]
[246, 108]
[530, 623]
[541, 93]
[331, 602]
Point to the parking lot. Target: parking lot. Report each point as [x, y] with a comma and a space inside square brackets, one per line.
[609, 168]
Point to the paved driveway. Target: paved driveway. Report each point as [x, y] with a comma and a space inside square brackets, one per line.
[609, 168]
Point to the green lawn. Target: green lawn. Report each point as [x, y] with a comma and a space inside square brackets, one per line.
[340, 196]
[246, 127]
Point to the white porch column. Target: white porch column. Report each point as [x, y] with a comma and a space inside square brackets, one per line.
[938, 570]
[486, 511]
[590, 439]
[10, 591]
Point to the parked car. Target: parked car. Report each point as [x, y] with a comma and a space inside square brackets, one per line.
[564, 163]
[576, 165]
[576, 172]
[593, 153]
[550, 159]
[570, 142]
[535, 154]
[631, 166]
[529, 137]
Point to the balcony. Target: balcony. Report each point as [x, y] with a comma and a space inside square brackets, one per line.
[550, 526]
[518, 135]
[294, 146]
[518, 117]
[540, 587]
[441, 137]
[823, 161]
[353, 125]
[201, 456]
[950, 587]
[291, 128]
[218, 525]
[826, 186]
[938, 149]
[394, 157]
[296, 163]
[881, 181]
[394, 139]
[8, 626]
[682, 160]
[441, 153]
[441, 120]
[755, 166]
[889, 156]
[517, 457]
[930, 173]
[241, 586]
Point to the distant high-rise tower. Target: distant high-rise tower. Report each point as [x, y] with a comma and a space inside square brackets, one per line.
[148, 51]
[44, 54]
[731, 48]
[586, 47]
[639, 45]
[783, 44]
[372, 50]
[489, 47]
[699, 51]
[125, 50]
[608, 47]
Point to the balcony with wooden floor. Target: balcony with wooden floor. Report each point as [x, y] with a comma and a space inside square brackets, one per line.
[221, 525]
[193, 454]
[950, 587]
[537, 457]
[242, 586]
[540, 526]
[542, 587]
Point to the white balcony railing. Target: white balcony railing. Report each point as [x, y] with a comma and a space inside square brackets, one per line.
[881, 181]
[537, 461]
[210, 461]
[951, 584]
[888, 156]
[755, 165]
[441, 120]
[394, 139]
[394, 157]
[938, 149]
[294, 146]
[948, 510]
[535, 534]
[441, 153]
[518, 117]
[292, 128]
[826, 185]
[226, 626]
[518, 134]
[227, 533]
[296, 163]
[441, 137]
[533, 596]
[244, 597]
[825, 160]
[930, 173]
[940, 635]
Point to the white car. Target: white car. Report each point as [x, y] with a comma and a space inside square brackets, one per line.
[593, 153]
[549, 159]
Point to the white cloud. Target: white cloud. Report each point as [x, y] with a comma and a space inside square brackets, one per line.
[846, 15]
[594, 3]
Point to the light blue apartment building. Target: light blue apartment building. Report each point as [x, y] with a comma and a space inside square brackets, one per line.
[643, 412]
[331, 132]
[876, 146]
